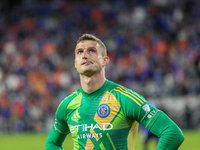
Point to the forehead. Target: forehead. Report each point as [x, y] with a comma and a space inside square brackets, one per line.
[85, 44]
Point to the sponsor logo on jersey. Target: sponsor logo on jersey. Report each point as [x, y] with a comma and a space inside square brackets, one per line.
[103, 110]
[90, 136]
[79, 129]
[86, 127]
[151, 114]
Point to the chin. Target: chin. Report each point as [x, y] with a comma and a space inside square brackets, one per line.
[88, 72]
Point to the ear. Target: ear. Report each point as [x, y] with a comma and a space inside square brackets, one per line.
[106, 60]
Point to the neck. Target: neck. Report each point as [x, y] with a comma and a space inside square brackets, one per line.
[92, 83]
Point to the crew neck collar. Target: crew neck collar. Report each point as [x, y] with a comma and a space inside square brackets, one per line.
[95, 91]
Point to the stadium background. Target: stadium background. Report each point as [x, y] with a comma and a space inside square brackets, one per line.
[153, 46]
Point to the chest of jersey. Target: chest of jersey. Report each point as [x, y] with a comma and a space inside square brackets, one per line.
[98, 121]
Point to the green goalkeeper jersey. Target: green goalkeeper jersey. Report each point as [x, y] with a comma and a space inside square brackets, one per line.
[106, 118]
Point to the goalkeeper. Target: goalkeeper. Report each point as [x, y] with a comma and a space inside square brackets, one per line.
[105, 115]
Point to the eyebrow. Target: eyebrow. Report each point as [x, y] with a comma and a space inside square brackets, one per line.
[87, 48]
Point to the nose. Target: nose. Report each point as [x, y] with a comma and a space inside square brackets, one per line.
[85, 54]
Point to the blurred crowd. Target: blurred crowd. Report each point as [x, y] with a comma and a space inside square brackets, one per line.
[153, 46]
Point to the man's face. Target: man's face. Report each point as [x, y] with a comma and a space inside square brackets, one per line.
[88, 58]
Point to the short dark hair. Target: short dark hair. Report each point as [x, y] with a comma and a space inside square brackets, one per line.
[91, 37]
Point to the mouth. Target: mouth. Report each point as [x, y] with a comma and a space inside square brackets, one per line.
[86, 63]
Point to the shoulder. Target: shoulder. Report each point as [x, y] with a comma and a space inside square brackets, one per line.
[64, 103]
[126, 94]
[69, 103]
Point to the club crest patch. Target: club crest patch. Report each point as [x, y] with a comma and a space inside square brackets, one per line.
[103, 110]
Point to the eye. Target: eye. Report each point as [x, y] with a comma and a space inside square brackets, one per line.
[79, 52]
[92, 50]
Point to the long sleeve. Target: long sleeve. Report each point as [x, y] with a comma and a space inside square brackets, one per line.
[169, 133]
[136, 107]
[55, 139]
[59, 130]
